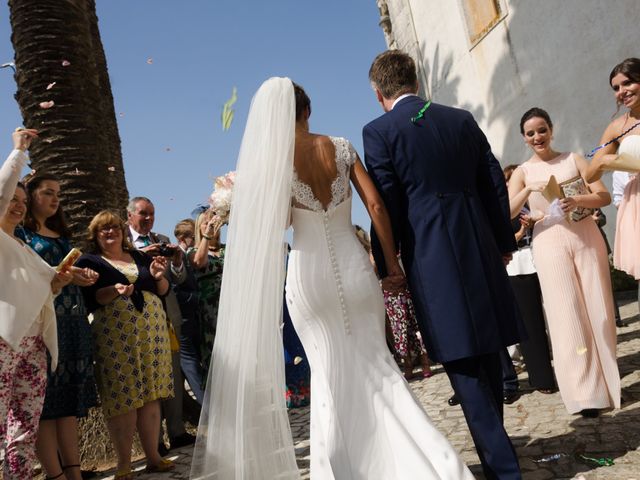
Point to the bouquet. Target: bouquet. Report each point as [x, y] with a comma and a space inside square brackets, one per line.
[220, 199]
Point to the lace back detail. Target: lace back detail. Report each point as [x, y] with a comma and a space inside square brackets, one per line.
[303, 196]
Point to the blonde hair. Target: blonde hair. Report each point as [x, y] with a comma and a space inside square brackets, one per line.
[103, 218]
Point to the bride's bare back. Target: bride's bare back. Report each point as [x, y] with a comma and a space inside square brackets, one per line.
[315, 164]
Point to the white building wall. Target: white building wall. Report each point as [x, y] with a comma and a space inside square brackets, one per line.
[554, 54]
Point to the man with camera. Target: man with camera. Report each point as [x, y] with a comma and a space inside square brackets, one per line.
[140, 218]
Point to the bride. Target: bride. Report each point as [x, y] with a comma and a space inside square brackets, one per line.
[365, 422]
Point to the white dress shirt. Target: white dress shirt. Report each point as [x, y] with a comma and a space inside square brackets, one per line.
[620, 180]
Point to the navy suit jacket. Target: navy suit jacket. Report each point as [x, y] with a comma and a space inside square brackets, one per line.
[447, 200]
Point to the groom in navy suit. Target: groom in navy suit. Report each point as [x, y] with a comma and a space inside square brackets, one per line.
[447, 199]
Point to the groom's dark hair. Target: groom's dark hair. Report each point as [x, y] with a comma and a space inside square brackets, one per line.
[393, 73]
[302, 101]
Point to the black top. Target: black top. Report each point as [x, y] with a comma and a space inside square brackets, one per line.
[109, 276]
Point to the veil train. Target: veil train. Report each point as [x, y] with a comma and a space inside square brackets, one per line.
[244, 430]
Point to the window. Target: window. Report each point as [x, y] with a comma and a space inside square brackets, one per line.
[481, 16]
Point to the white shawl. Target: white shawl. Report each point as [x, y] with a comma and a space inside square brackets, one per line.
[25, 290]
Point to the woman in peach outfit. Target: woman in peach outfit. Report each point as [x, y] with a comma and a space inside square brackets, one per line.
[571, 259]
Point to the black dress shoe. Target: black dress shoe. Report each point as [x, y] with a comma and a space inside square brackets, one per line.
[510, 396]
[590, 412]
[162, 449]
[453, 400]
[182, 440]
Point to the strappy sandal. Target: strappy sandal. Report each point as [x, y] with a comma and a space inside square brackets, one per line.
[163, 466]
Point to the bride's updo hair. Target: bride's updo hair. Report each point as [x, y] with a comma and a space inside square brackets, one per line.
[302, 101]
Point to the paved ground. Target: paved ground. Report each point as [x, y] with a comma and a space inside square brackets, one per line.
[546, 437]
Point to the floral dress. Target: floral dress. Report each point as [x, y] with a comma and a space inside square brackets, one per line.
[71, 389]
[209, 280]
[402, 317]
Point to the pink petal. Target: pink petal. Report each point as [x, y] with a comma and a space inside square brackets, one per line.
[121, 114]
[149, 60]
[66, 63]
[46, 105]
[33, 172]
[50, 86]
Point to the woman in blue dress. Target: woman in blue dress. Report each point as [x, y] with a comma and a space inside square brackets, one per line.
[71, 389]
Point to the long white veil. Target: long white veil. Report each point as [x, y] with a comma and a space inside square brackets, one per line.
[244, 428]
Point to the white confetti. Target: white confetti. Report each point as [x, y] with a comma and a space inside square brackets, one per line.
[51, 85]
[150, 60]
[46, 105]
[66, 63]
[111, 169]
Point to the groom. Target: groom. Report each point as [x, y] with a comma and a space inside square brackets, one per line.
[447, 199]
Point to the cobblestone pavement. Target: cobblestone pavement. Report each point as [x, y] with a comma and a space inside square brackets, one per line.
[546, 437]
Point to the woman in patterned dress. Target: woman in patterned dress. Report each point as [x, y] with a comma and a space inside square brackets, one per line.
[71, 389]
[131, 341]
[207, 258]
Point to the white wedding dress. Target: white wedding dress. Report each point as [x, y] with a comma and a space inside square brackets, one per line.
[365, 422]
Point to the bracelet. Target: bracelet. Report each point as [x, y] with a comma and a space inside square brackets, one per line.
[205, 236]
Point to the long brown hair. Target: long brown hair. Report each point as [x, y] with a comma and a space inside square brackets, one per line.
[56, 222]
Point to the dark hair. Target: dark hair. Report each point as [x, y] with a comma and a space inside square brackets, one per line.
[302, 101]
[532, 113]
[21, 185]
[393, 73]
[629, 67]
[56, 222]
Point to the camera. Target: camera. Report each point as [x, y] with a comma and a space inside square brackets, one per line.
[165, 250]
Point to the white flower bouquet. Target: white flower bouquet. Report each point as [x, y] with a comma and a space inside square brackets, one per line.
[222, 195]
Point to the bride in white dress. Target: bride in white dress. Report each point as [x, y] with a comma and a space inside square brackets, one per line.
[365, 422]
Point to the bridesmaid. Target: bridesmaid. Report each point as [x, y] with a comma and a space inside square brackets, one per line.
[71, 389]
[623, 135]
[573, 269]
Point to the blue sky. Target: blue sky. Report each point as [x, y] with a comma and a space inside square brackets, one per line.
[169, 109]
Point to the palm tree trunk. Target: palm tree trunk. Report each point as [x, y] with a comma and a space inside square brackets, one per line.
[79, 141]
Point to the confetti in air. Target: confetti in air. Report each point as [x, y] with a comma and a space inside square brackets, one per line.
[66, 63]
[150, 61]
[46, 105]
[51, 85]
[167, 149]
[111, 169]
[227, 111]
[121, 114]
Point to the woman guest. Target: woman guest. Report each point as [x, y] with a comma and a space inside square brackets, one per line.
[526, 288]
[131, 341]
[71, 389]
[207, 259]
[573, 269]
[28, 322]
[623, 136]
